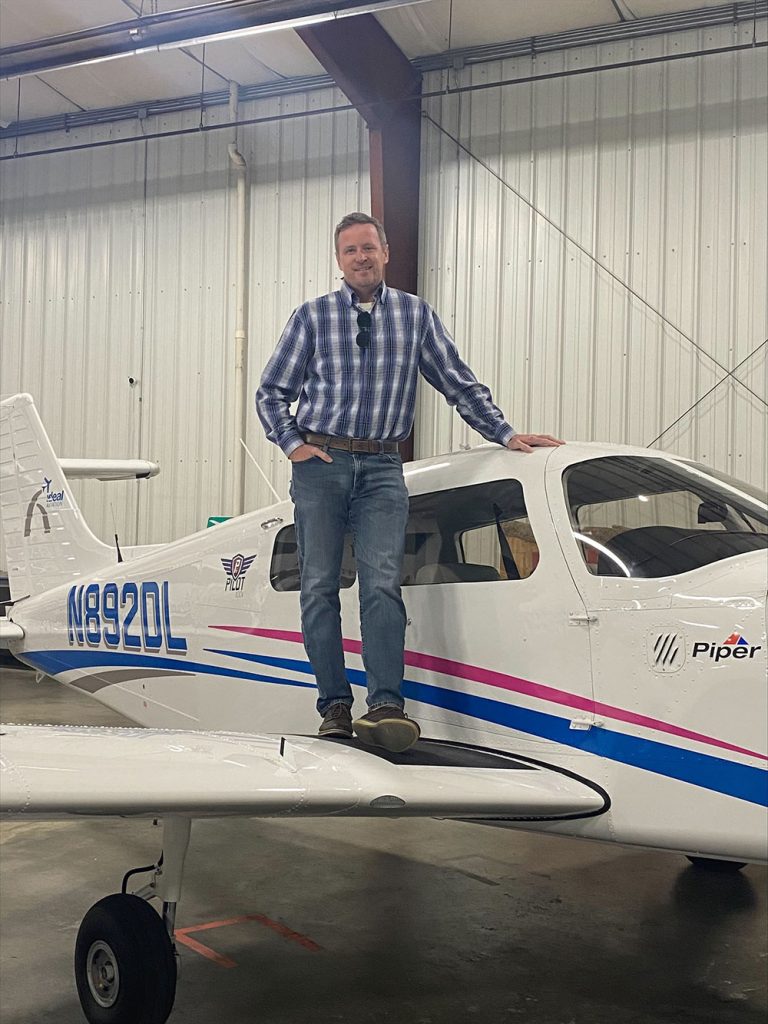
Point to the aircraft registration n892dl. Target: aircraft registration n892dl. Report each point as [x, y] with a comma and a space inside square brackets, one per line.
[104, 612]
[585, 653]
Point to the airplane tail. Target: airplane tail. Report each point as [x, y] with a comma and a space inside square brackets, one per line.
[47, 541]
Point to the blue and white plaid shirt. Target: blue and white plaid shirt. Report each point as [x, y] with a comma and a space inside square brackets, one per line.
[347, 391]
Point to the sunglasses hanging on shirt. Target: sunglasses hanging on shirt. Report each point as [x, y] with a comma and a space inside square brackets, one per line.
[363, 338]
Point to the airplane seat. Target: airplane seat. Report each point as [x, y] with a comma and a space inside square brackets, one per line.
[456, 572]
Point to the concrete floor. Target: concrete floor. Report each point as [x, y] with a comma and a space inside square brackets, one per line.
[407, 922]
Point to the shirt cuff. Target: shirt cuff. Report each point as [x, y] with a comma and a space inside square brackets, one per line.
[291, 443]
[505, 434]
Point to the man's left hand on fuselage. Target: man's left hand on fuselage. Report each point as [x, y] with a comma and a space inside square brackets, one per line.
[527, 442]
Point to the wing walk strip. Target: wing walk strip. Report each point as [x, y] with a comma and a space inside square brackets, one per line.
[731, 778]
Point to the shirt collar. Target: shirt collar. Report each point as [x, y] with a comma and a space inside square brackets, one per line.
[350, 297]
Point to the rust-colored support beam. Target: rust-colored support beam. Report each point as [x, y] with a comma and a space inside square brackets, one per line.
[379, 79]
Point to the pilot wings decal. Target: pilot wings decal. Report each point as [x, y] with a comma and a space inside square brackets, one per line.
[236, 567]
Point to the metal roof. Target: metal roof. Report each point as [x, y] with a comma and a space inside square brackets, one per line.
[432, 33]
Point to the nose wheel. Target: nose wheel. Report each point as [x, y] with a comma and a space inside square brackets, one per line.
[125, 967]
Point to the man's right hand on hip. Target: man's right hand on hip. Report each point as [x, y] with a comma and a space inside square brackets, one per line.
[309, 451]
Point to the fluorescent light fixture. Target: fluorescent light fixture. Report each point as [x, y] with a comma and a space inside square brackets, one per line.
[292, 23]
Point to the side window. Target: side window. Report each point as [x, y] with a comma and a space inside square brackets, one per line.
[284, 569]
[463, 535]
[648, 518]
[475, 534]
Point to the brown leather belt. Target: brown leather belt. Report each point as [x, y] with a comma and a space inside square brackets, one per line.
[353, 444]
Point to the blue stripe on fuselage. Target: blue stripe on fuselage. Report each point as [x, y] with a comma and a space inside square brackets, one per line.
[54, 662]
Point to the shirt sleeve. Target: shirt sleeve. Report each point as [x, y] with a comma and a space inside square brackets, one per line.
[441, 365]
[282, 380]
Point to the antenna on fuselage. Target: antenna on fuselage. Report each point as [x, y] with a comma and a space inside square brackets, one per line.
[117, 542]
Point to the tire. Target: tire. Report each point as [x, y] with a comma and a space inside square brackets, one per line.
[125, 967]
[725, 867]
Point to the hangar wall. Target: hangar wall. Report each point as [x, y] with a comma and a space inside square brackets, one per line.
[119, 262]
[655, 174]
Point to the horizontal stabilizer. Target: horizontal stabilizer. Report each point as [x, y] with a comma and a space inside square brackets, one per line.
[9, 631]
[108, 469]
[61, 771]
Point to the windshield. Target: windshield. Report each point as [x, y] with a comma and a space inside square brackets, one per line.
[645, 517]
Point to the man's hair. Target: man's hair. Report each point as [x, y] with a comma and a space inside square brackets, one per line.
[358, 218]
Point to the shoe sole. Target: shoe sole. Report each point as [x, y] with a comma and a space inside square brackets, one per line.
[393, 734]
[336, 732]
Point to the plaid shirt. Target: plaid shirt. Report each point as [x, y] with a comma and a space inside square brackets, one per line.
[370, 393]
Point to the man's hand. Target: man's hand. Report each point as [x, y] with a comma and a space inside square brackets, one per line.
[309, 451]
[527, 442]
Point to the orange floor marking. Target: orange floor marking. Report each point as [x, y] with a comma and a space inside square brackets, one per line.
[183, 936]
[206, 951]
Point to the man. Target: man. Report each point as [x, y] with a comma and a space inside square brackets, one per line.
[352, 360]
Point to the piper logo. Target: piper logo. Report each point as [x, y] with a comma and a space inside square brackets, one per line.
[734, 647]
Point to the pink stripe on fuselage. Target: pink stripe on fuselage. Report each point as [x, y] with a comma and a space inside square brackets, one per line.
[504, 682]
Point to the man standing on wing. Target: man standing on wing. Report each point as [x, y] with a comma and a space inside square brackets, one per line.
[352, 360]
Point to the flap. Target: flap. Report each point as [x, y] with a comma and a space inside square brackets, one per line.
[58, 771]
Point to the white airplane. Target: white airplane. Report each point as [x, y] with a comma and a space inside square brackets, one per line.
[585, 652]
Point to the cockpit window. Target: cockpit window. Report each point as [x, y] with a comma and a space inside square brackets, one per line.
[649, 518]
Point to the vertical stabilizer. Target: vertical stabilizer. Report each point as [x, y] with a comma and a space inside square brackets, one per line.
[47, 541]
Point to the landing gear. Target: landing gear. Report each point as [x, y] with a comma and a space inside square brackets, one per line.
[725, 867]
[125, 959]
[125, 967]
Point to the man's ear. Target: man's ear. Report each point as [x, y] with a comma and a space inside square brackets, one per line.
[386, 254]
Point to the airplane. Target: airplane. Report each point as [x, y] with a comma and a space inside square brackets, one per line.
[585, 653]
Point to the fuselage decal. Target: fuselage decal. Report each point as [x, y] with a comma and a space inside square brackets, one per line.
[56, 662]
[540, 691]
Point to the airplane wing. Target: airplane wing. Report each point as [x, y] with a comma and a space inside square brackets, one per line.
[64, 771]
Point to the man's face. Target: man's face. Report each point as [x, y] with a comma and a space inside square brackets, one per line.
[362, 258]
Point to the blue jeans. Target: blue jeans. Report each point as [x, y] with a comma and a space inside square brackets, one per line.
[364, 494]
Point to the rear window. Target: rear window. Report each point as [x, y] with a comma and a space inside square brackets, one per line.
[637, 517]
[476, 534]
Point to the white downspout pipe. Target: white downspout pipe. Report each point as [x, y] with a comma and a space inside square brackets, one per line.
[240, 415]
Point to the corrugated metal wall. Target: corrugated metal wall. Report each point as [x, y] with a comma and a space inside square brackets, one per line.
[656, 174]
[120, 262]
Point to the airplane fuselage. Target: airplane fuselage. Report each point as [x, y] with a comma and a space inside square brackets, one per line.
[652, 688]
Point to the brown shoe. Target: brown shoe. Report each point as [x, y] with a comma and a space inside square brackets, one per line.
[337, 721]
[387, 726]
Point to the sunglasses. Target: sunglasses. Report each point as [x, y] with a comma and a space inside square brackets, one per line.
[363, 338]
